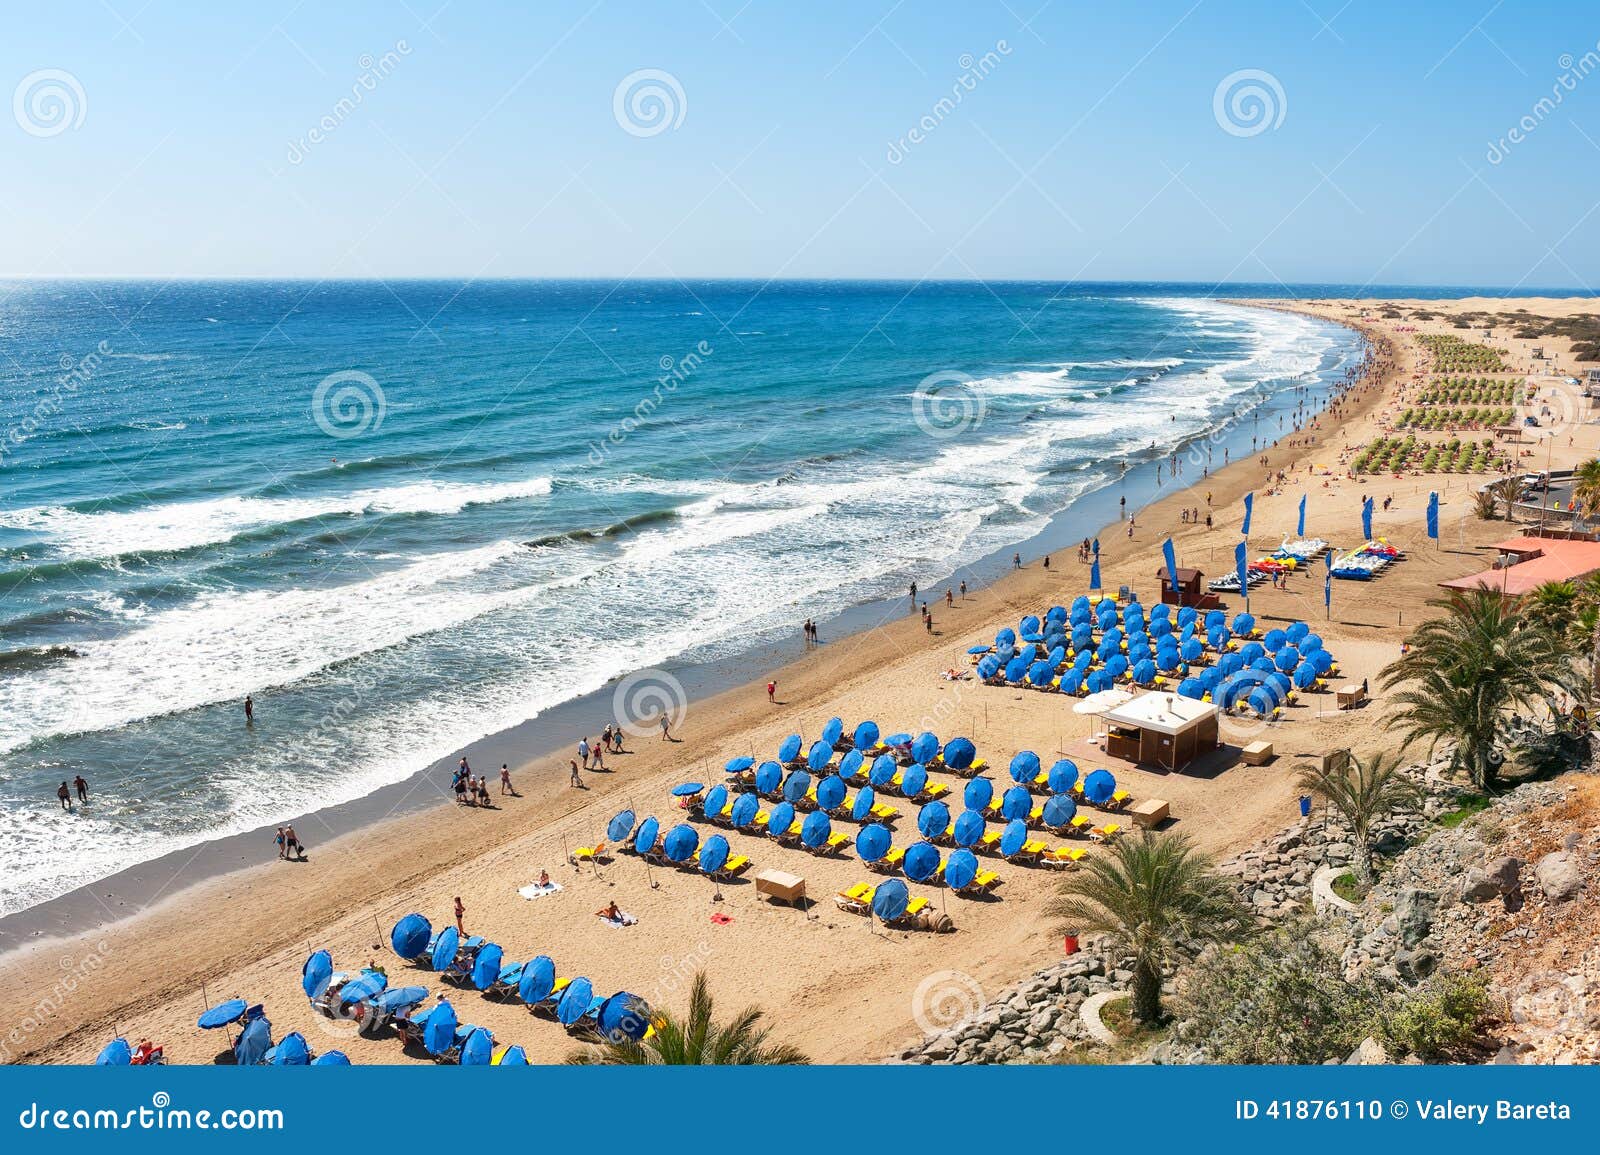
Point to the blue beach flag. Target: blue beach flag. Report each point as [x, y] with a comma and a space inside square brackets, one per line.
[1327, 582]
[1239, 562]
[1249, 507]
[1094, 573]
[1433, 515]
[1366, 519]
[1172, 562]
[1300, 526]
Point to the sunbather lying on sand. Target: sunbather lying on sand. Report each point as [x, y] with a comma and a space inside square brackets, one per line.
[616, 917]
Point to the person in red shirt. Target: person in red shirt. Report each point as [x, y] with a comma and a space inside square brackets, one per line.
[772, 692]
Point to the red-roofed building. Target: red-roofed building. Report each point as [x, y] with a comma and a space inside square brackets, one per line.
[1526, 563]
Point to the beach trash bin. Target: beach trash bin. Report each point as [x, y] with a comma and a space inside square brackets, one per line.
[1069, 943]
[1305, 806]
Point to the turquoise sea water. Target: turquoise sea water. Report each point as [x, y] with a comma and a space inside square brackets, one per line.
[404, 516]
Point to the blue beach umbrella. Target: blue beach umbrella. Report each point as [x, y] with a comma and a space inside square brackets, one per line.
[366, 985]
[883, 770]
[769, 776]
[832, 731]
[873, 842]
[1261, 700]
[680, 842]
[1322, 660]
[538, 980]
[1017, 803]
[890, 900]
[933, 819]
[960, 869]
[814, 831]
[477, 1049]
[1191, 650]
[574, 1001]
[914, 780]
[850, 763]
[316, 973]
[716, 799]
[117, 1053]
[331, 1059]
[740, 764]
[1013, 836]
[1297, 633]
[959, 753]
[1192, 688]
[439, 1032]
[969, 828]
[1310, 644]
[1005, 637]
[922, 859]
[688, 789]
[714, 854]
[900, 738]
[978, 793]
[820, 755]
[1062, 775]
[796, 785]
[293, 1051]
[1071, 681]
[486, 967]
[1025, 766]
[1016, 669]
[745, 808]
[1059, 809]
[399, 998]
[512, 1056]
[1274, 640]
[1287, 658]
[1029, 625]
[1244, 623]
[623, 1018]
[789, 748]
[620, 826]
[1040, 673]
[861, 808]
[445, 947]
[409, 937]
[645, 840]
[1099, 786]
[925, 747]
[866, 736]
[254, 1042]
[1305, 675]
[781, 818]
[222, 1014]
[830, 792]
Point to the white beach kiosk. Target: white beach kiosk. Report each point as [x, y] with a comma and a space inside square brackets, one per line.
[1161, 729]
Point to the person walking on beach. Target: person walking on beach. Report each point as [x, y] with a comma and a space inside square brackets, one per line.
[949, 598]
[772, 692]
[583, 751]
[279, 839]
[249, 709]
[1016, 561]
[575, 780]
[963, 589]
[461, 913]
[291, 845]
[65, 796]
[598, 757]
[913, 593]
[505, 781]
[82, 786]
[666, 728]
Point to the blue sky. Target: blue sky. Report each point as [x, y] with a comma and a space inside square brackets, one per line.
[1090, 148]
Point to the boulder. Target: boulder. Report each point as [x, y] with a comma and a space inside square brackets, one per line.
[1560, 876]
[1414, 911]
[1497, 878]
[1369, 1054]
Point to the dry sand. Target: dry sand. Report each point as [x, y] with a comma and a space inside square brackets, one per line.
[832, 984]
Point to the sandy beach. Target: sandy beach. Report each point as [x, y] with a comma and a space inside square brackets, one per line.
[834, 986]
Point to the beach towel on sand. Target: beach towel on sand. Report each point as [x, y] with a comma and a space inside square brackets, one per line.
[534, 890]
[623, 919]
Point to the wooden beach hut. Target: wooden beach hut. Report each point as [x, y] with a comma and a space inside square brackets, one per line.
[1162, 729]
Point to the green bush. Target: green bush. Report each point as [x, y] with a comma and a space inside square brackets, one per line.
[1439, 1020]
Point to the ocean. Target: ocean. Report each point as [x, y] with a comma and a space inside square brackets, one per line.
[403, 516]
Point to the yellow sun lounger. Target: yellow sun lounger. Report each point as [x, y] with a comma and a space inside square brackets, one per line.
[856, 900]
[835, 842]
[1081, 823]
[1107, 832]
[915, 906]
[589, 854]
[986, 880]
[891, 860]
[735, 865]
[882, 812]
[934, 790]
[1064, 856]
[1119, 799]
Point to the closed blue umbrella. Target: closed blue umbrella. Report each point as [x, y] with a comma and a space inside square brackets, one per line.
[850, 764]
[960, 869]
[477, 1049]
[688, 789]
[959, 753]
[538, 980]
[1025, 766]
[222, 1014]
[830, 792]
[745, 808]
[933, 819]
[873, 842]
[925, 748]
[623, 1018]
[645, 840]
[922, 859]
[1099, 786]
[819, 757]
[316, 973]
[680, 842]
[445, 947]
[861, 808]
[883, 770]
[254, 1042]
[789, 748]
[815, 830]
[969, 828]
[781, 818]
[716, 799]
[410, 936]
[714, 854]
[486, 967]
[1059, 809]
[293, 1051]
[117, 1053]
[1062, 775]
[866, 735]
[890, 900]
[769, 776]
[1017, 803]
[796, 785]
[620, 826]
[574, 1001]
[439, 1032]
[914, 780]
[740, 764]
[1013, 836]
[331, 1059]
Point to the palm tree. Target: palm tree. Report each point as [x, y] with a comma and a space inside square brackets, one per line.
[697, 1039]
[1155, 895]
[1553, 605]
[1468, 670]
[1586, 488]
[1363, 792]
